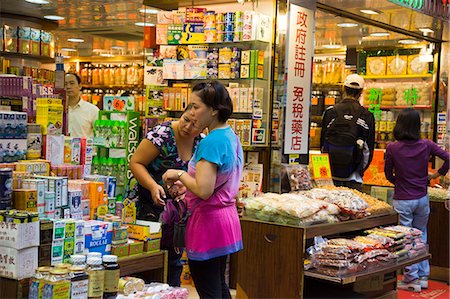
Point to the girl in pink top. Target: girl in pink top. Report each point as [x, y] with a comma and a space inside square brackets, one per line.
[213, 229]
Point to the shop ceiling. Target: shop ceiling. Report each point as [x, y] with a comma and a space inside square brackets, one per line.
[111, 24]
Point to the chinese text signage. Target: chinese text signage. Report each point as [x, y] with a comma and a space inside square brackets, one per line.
[299, 63]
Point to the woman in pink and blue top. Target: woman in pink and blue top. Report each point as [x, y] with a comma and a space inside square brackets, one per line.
[212, 180]
[406, 166]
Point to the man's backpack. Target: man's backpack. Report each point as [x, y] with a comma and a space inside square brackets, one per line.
[343, 142]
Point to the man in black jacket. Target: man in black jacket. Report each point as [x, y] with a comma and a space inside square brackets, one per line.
[350, 109]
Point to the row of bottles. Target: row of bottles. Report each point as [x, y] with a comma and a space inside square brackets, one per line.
[95, 278]
[112, 74]
[113, 131]
[114, 167]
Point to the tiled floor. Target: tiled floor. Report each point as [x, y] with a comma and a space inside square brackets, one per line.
[193, 293]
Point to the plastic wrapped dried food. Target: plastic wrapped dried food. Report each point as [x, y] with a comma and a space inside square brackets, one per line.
[335, 256]
[386, 241]
[337, 249]
[387, 233]
[372, 254]
[352, 245]
[347, 200]
[299, 177]
[333, 262]
[340, 271]
[368, 241]
[409, 231]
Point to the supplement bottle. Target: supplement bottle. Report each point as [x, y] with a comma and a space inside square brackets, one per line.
[112, 276]
[79, 282]
[96, 273]
[57, 285]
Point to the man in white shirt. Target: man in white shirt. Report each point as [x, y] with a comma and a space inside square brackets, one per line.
[82, 114]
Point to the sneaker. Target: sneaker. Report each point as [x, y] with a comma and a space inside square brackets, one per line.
[412, 286]
[423, 282]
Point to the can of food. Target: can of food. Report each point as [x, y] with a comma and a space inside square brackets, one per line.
[229, 36]
[6, 180]
[229, 17]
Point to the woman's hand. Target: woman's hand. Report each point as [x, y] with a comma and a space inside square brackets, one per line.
[158, 194]
[170, 177]
[177, 191]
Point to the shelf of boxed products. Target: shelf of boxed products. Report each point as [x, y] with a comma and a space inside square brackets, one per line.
[351, 278]
[43, 59]
[411, 76]
[120, 86]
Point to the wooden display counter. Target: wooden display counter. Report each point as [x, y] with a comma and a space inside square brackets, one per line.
[271, 264]
[148, 266]
[438, 240]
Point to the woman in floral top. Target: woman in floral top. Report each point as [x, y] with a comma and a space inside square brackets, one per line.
[169, 145]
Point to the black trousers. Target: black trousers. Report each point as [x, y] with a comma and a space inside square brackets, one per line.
[209, 278]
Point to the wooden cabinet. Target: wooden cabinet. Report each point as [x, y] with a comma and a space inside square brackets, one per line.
[271, 263]
[438, 240]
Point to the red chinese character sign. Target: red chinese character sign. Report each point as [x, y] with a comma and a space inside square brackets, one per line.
[300, 49]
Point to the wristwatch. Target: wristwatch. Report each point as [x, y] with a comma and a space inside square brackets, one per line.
[180, 173]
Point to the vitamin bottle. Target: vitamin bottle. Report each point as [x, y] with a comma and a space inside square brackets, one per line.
[57, 285]
[96, 273]
[79, 282]
[112, 276]
[37, 283]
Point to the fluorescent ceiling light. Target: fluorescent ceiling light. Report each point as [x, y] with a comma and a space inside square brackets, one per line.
[117, 47]
[54, 18]
[106, 55]
[67, 57]
[347, 25]
[380, 34]
[370, 11]
[426, 30]
[149, 10]
[330, 46]
[142, 24]
[68, 49]
[408, 41]
[76, 40]
[38, 1]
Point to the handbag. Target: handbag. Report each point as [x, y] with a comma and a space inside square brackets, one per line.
[179, 227]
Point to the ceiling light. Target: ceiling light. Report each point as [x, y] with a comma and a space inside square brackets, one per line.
[38, 1]
[54, 18]
[106, 55]
[68, 49]
[347, 25]
[408, 41]
[380, 34]
[117, 47]
[66, 57]
[370, 11]
[75, 40]
[426, 30]
[149, 11]
[331, 46]
[142, 24]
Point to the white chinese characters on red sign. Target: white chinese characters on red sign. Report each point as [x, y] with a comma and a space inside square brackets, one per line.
[299, 57]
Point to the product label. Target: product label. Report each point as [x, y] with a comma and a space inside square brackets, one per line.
[34, 290]
[96, 282]
[112, 281]
[60, 290]
[79, 289]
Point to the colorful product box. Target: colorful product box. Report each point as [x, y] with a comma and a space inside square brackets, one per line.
[144, 230]
[10, 38]
[46, 232]
[55, 149]
[76, 151]
[35, 37]
[120, 250]
[98, 236]
[75, 202]
[45, 255]
[135, 247]
[39, 186]
[25, 199]
[59, 230]
[57, 252]
[152, 245]
[46, 38]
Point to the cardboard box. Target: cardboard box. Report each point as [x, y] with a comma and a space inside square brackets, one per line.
[25, 199]
[19, 236]
[39, 186]
[19, 264]
[98, 236]
[75, 202]
[152, 245]
[144, 230]
[55, 149]
[46, 232]
[135, 247]
[13, 288]
[120, 249]
[45, 255]
[59, 230]
[57, 254]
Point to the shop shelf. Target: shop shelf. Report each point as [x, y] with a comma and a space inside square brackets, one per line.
[43, 59]
[102, 59]
[249, 43]
[420, 107]
[235, 115]
[365, 274]
[398, 76]
[112, 86]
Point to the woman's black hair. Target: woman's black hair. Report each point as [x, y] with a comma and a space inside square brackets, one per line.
[213, 94]
[408, 125]
[76, 76]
